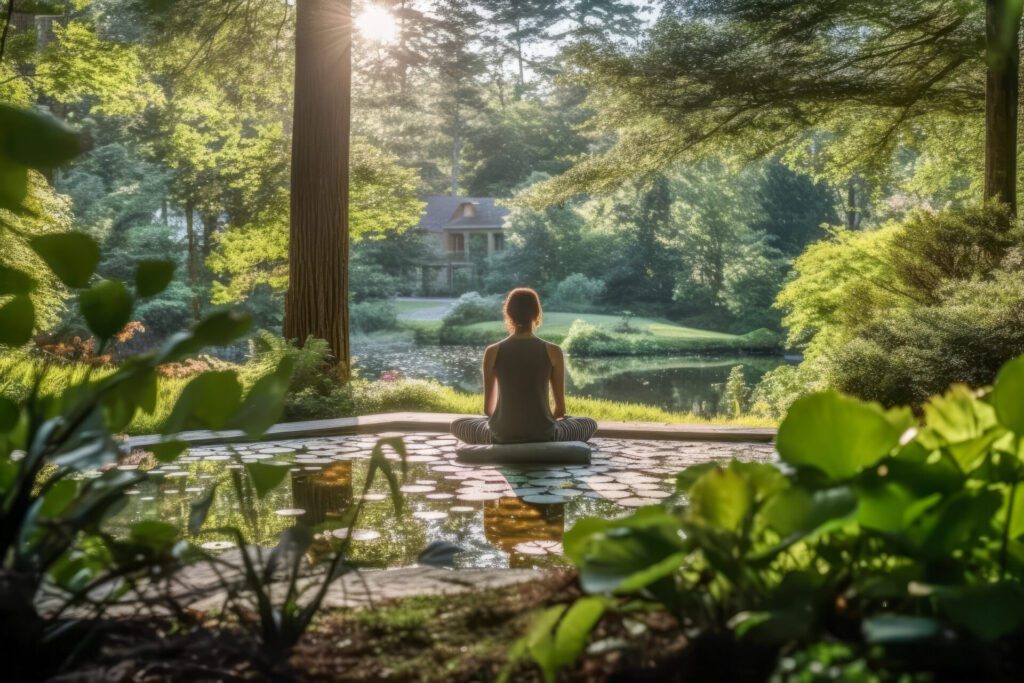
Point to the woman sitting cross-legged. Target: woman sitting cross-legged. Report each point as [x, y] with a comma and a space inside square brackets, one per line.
[517, 373]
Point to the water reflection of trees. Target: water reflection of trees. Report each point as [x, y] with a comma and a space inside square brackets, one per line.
[531, 533]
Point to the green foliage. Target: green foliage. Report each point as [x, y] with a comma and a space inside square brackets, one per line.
[780, 387]
[577, 292]
[373, 316]
[312, 392]
[587, 340]
[51, 516]
[737, 392]
[880, 534]
[382, 200]
[473, 308]
[899, 313]
[839, 90]
[274, 597]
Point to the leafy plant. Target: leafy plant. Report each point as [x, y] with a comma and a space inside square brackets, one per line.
[51, 515]
[277, 594]
[903, 540]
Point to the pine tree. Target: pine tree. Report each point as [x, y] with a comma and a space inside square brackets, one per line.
[752, 78]
[519, 24]
[456, 61]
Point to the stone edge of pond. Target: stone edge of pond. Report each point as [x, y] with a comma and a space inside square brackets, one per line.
[439, 422]
[202, 589]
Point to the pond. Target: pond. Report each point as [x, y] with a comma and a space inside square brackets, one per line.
[676, 383]
[500, 516]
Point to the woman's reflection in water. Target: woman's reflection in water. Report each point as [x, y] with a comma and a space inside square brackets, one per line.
[325, 494]
[529, 532]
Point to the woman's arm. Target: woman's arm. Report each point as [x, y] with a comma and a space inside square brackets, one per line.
[557, 380]
[490, 381]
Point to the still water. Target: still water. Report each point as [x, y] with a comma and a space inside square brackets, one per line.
[498, 516]
[677, 383]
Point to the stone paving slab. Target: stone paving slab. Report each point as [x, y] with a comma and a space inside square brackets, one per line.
[439, 423]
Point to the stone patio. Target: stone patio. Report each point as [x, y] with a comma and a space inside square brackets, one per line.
[514, 515]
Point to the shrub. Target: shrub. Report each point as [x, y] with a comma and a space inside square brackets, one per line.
[373, 316]
[471, 308]
[369, 282]
[915, 352]
[586, 339]
[312, 393]
[780, 387]
[847, 283]
[737, 392]
[576, 293]
[886, 547]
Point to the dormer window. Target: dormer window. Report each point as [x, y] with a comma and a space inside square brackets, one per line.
[467, 210]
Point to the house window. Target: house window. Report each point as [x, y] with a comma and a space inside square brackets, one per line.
[499, 241]
[468, 210]
[457, 242]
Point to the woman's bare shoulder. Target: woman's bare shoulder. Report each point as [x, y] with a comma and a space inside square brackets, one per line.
[554, 350]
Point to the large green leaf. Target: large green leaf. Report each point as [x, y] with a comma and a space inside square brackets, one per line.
[797, 513]
[836, 434]
[13, 184]
[13, 281]
[957, 521]
[36, 140]
[17, 319]
[152, 277]
[106, 307]
[209, 401]
[199, 511]
[154, 534]
[578, 538]
[883, 507]
[167, 451]
[218, 329]
[265, 401]
[1008, 395]
[72, 256]
[9, 414]
[540, 641]
[988, 611]
[963, 425]
[574, 629]
[627, 558]
[720, 499]
[265, 477]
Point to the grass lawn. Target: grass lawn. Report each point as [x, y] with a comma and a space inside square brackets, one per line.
[417, 305]
[556, 326]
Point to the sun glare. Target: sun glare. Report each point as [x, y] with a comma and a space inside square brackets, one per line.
[378, 23]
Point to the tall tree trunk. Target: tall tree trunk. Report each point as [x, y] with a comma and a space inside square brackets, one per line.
[519, 55]
[8, 18]
[852, 214]
[1002, 28]
[193, 256]
[209, 230]
[316, 304]
[456, 151]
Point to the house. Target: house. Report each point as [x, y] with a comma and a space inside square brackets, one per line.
[465, 230]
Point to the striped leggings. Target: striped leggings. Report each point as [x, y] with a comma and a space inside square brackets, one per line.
[475, 430]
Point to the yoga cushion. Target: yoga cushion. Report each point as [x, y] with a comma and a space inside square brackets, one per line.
[542, 453]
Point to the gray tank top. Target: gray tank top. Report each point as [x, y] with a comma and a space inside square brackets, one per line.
[523, 370]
